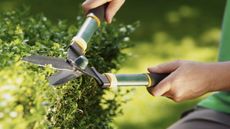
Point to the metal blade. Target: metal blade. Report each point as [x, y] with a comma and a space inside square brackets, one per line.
[63, 77]
[57, 63]
[73, 52]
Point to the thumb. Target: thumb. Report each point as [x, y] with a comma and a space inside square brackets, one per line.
[165, 68]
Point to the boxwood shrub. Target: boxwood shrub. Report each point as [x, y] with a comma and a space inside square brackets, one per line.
[26, 99]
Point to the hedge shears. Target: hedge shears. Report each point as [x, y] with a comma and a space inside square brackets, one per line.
[76, 63]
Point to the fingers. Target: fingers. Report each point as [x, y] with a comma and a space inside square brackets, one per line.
[112, 8]
[163, 87]
[169, 95]
[90, 4]
[165, 68]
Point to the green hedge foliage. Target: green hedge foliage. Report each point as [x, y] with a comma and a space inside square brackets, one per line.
[26, 99]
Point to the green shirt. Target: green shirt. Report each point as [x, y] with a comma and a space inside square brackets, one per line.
[220, 101]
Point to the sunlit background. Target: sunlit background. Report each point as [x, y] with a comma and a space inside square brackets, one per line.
[169, 30]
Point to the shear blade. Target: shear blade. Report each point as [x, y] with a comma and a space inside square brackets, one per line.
[63, 76]
[73, 52]
[56, 63]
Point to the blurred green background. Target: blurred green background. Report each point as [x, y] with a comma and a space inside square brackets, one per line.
[169, 30]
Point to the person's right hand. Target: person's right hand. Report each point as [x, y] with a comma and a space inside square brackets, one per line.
[111, 10]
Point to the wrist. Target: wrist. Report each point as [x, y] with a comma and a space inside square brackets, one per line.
[220, 75]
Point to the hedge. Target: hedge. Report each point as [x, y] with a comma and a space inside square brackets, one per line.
[26, 99]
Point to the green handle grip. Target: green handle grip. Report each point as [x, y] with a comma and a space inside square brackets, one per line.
[157, 77]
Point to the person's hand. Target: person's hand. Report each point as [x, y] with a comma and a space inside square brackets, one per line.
[187, 80]
[111, 10]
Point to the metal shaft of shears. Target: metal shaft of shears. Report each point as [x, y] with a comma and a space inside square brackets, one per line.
[91, 24]
[145, 79]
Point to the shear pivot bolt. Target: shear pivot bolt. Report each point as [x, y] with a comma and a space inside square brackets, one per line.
[81, 62]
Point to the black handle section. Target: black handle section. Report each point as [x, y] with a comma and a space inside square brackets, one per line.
[99, 11]
[157, 77]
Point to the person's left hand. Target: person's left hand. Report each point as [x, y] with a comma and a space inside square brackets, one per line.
[187, 80]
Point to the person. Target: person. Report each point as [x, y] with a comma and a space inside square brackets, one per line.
[189, 79]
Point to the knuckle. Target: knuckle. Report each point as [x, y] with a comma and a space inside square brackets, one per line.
[177, 98]
[84, 6]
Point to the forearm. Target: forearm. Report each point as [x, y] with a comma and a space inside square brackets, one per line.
[220, 73]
